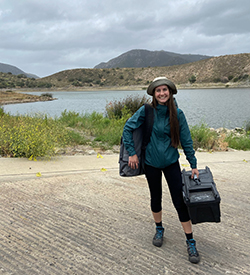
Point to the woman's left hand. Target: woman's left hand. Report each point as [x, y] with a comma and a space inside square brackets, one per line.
[195, 172]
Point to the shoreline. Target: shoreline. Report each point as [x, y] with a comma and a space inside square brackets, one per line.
[16, 96]
[24, 101]
[228, 85]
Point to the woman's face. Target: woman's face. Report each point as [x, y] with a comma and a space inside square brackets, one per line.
[162, 94]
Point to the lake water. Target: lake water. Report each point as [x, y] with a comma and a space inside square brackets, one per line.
[227, 108]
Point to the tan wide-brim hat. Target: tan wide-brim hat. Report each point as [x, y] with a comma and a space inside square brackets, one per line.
[158, 81]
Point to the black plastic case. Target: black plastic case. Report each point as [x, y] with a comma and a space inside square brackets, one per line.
[201, 196]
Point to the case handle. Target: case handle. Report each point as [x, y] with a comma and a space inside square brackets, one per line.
[196, 180]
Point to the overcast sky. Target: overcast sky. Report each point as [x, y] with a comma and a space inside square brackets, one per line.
[48, 36]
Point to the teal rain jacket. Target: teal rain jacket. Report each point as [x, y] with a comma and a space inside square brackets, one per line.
[159, 152]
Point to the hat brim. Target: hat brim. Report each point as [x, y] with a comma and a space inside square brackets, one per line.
[159, 82]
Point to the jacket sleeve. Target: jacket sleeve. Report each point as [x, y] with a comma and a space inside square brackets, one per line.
[186, 140]
[132, 123]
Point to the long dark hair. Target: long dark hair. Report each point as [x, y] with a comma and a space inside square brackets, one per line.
[173, 120]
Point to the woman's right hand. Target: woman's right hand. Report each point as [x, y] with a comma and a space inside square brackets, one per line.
[133, 162]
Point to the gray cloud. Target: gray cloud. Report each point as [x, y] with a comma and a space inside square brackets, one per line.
[44, 37]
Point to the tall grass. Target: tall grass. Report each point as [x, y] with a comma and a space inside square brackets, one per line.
[104, 130]
[203, 137]
[237, 142]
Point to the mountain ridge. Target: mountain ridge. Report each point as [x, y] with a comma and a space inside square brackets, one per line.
[6, 68]
[140, 58]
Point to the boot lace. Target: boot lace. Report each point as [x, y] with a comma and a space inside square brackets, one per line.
[159, 232]
[191, 248]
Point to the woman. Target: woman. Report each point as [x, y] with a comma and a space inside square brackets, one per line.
[169, 129]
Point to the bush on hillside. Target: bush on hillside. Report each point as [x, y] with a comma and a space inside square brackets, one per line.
[192, 79]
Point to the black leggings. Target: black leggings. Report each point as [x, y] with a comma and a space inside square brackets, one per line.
[172, 174]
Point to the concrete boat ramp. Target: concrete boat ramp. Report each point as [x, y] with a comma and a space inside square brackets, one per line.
[76, 215]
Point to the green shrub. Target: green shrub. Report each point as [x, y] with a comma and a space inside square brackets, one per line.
[192, 79]
[115, 109]
[44, 85]
[1, 111]
[47, 95]
[216, 80]
[243, 77]
[247, 127]
[203, 137]
[87, 80]
[70, 118]
[20, 84]
[239, 142]
[30, 84]
[76, 138]
[21, 76]
[76, 83]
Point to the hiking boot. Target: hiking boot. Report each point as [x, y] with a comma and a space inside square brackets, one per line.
[158, 237]
[192, 251]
